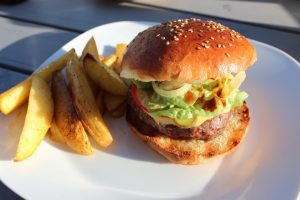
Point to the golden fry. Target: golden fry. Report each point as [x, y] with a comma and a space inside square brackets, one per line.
[101, 58]
[66, 117]
[120, 50]
[17, 95]
[38, 118]
[85, 104]
[104, 77]
[110, 60]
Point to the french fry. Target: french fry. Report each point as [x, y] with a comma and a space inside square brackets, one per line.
[100, 57]
[100, 101]
[66, 117]
[104, 77]
[110, 60]
[38, 118]
[112, 102]
[17, 95]
[119, 111]
[120, 50]
[54, 134]
[85, 104]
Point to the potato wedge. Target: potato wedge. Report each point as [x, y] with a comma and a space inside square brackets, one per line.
[38, 118]
[120, 50]
[54, 134]
[119, 111]
[85, 104]
[66, 117]
[112, 102]
[104, 77]
[100, 101]
[110, 60]
[90, 48]
[17, 95]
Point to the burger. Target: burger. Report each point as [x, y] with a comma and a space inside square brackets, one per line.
[184, 100]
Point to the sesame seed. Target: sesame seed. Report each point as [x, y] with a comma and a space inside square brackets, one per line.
[157, 35]
[199, 35]
[207, 41]
[179, 34]
[200, 30]
[190, 30]
[219, 45]
[167, 43]
[176, 39]
[212, 38]
[223, 45]
[205, 45]
[230, 44]
[231, 39]
[227, 54]
[172, 29]
[198, 48]
[163, 38]
[185, 36]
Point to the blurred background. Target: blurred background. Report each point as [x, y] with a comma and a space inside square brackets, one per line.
[282, 13]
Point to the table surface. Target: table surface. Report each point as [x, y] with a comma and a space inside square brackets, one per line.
[33, 30]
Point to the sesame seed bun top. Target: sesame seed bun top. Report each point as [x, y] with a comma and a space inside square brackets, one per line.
[186, 50]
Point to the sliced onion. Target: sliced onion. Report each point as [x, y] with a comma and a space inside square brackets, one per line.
[171, 93]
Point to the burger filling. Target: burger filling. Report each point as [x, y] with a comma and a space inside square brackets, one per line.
[189, 104]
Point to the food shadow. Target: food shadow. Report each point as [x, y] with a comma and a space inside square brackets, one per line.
[126, 144]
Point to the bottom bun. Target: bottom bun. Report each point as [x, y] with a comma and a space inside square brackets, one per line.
[194, 151]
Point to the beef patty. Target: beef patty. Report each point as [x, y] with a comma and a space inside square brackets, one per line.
[145, 124]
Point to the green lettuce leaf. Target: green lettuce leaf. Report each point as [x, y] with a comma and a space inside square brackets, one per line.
[165, 108]
[219, 90]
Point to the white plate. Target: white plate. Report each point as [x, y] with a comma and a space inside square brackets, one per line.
[265, 166]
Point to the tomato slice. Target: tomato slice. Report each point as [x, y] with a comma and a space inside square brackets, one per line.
[136, 99]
